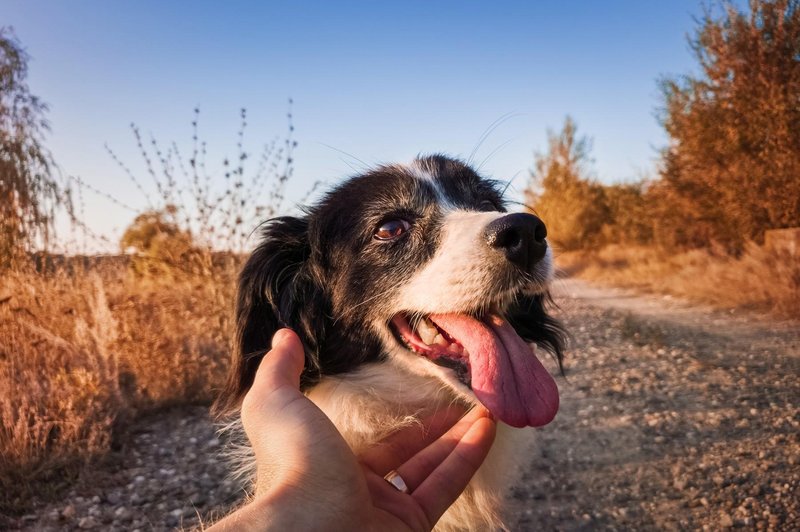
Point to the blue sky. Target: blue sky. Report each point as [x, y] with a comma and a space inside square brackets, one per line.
[382, 81]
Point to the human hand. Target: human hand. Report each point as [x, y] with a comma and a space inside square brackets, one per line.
[309, 479]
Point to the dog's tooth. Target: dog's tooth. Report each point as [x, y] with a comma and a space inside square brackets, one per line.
[455, 348]
[441, 340]
[426, 332]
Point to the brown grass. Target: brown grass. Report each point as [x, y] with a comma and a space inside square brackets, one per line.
[82, 352]
[758, 279]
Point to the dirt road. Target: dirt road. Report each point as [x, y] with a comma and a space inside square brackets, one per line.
[672, 417]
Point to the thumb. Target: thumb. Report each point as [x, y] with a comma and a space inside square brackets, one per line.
[280, 367]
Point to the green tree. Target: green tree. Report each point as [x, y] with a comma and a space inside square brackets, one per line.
[732, 168]
[571, 204]
[29, 189]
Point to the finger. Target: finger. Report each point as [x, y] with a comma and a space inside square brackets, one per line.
[418, 467]
[445, 484]
[283, 363]
[280, 367]
[387, 498]
[398, 447]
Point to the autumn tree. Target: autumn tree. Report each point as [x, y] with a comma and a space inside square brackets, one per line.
[159, 246]
[561, 192]
[29, 189]
[732, 168]
[630, 214]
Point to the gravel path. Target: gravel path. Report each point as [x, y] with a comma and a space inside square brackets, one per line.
[672, 417]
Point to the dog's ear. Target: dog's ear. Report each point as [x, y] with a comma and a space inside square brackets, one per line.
[528, 315]
[275, 291]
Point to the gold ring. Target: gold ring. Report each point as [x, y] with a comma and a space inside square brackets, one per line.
[394, 478]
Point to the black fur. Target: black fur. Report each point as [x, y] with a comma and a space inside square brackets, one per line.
[528, 315]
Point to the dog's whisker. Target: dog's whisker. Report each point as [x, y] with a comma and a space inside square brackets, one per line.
[368, 300]
[488, 131]
[493, 153]
[364, 166]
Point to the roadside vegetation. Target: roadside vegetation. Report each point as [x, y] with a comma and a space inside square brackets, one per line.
[89, 342]
[730, 175]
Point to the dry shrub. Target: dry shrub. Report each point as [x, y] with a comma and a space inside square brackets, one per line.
[174, 335]
[759, 278]
[82, 351]
[562, 193]
[60, 376]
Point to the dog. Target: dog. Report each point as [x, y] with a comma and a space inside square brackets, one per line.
[411, 288]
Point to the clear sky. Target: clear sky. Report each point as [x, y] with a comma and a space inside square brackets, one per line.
[382, 81]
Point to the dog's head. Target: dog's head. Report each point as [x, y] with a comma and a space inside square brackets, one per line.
[419, 265]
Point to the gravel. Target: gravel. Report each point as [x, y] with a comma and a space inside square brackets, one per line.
[169, 475]
[672, 417]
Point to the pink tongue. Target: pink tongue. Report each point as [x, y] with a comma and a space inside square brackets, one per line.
[506, 376]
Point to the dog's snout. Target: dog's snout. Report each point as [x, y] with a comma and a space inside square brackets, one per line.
[520, 236]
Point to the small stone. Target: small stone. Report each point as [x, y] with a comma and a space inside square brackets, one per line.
[123, 513]
[725, 520]
[68, 512]
[87, 523]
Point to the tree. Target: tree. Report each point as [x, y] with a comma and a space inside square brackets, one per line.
[29, 190]
[630, 214]
[572, 205]
[158, 246]
[732, 169]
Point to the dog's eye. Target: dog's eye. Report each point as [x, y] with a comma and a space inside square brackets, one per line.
[391, 229]
[487, 205]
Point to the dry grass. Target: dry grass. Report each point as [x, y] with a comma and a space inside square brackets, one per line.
[758, 279]
[82, 352]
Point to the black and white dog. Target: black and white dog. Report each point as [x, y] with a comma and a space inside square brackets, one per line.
[411, 288]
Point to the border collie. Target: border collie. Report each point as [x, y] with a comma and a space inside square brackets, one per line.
[411, 288]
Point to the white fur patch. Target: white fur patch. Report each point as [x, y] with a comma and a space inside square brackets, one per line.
[443, 201]
[462, 274]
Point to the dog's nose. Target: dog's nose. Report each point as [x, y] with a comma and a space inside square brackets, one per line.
[520, 236]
